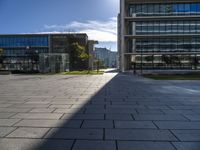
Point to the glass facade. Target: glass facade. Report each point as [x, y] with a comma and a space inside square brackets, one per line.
[164, 42]
[57, 62]
[164, 9]
[23, 41]
[166, 27]
[166, 61]
[60, 44]
[22, 52]
[182, 44]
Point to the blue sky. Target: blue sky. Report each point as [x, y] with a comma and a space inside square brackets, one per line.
[95, 17]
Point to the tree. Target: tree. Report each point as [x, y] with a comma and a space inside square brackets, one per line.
[79, 53]
[99, 64]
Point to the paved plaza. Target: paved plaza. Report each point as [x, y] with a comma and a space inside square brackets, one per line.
[102, 112]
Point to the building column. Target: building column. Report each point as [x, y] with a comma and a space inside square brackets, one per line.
[122, 16]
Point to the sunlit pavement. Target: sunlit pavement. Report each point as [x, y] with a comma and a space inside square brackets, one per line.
[101, 112]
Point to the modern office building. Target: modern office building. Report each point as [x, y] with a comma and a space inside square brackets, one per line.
[159, 34]
[49, 52]
[108, 57]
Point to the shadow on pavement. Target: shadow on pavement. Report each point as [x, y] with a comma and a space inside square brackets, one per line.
[86, 123]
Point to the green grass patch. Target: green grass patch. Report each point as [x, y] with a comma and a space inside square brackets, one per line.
[173, 77]
[84, 72]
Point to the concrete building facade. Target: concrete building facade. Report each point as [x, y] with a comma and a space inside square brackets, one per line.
[159, 34]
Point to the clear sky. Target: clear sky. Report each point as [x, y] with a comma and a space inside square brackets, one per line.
[95, 17]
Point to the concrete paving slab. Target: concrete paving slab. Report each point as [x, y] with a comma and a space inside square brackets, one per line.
[6, 115]
[94, 145]
[134, 125]
[50, 123]
[8, 122]
[83, 116]
[60, 106]
[137, 134]
[43, 110]
[72, 110]
[35, 144]
[6, 130]
[118, 117]
[177, 125]
[187, 145]
[149, 111]
[193, 117]
[187, 135]
[136, 145]
[88, 134]
[97, 124]
[37, 115]
[160, 117]
[14, 110]
[24, 132]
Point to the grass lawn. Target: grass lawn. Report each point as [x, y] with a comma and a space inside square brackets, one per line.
[84, 72]
[173, 77]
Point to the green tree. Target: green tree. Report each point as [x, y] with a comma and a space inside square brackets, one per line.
[99, 64]
[80, 53]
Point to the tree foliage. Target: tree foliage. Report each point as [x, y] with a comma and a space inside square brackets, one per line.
[80, 51]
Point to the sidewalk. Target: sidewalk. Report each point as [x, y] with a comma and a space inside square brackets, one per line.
[103, 112]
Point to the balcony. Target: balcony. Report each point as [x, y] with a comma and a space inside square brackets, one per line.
[160, 36]
[146, 18]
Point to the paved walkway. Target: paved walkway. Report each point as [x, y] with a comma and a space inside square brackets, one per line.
[109, 112]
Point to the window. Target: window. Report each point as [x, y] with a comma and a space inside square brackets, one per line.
[168, 28]
[131, 9]
[193, 27]
[186, 26]
[187, 8]
[181, 8]
[144, 9]
[150, 9]
[193, 8]
[198, 8]
[156, 9]
[138, 9]
[162, 9]
[175, 8]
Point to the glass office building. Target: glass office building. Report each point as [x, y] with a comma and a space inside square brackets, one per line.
[159, 34]
[21, 52]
